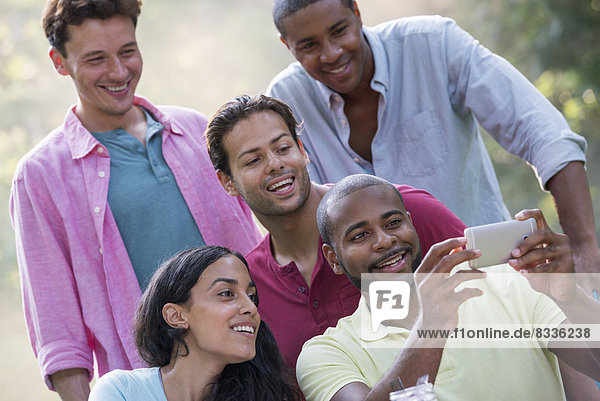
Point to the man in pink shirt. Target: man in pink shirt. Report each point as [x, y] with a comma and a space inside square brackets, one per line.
[107, 196]
[254, 148]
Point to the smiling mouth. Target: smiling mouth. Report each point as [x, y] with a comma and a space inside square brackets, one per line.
[116, 88]
[281, 185]
[244, 329]
[339, 69]
[393, 261]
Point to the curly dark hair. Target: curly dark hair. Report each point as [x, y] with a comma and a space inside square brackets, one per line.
[58, 14]
[263, 378]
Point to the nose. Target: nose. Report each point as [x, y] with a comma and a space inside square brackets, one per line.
[330, 52]
[247, 306]
[383, 240]
[273, 162]
[117, 70]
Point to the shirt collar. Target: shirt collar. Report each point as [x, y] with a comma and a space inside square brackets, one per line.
[82, 142]
[381, 76]
[283, 270]
[361, 319]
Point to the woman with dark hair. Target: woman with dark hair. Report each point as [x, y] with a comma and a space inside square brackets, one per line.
[198, 328]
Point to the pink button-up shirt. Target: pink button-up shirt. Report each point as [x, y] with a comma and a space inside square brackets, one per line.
[79, 289]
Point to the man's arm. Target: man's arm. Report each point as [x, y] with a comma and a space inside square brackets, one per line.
[578, 387]
[50, 300]
[549, 253]
[410, 364]
[71, 384]
[571, 193]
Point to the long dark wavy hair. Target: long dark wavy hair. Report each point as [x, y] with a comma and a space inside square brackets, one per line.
[263, 378]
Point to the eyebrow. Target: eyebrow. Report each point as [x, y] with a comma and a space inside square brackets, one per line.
[272, 142]
[230, 281]
[223, 279]
[364, 223]
[329, 29]
[98, 52]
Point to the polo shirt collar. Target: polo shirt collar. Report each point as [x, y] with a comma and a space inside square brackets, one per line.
[81, 141]
[286, 269]
[361, 319]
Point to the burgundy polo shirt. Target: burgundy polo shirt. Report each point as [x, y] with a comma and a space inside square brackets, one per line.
[296, 312]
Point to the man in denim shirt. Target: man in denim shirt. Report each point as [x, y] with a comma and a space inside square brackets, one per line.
[403, 100]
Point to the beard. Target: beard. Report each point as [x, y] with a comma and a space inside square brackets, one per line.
[357, 280]
[262, 205]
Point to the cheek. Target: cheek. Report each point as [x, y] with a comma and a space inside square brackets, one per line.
[354, 256]
[309, 62]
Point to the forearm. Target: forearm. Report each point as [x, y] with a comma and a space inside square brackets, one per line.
[571, 193]
[417, 357]
[581, 309]
[71, 384]
[578, 387]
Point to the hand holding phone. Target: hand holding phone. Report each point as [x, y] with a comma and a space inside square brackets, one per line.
[496, 241]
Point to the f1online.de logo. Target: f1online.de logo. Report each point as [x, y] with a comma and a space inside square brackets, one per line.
[389, 301]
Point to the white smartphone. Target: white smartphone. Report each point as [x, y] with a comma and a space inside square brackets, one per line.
[496, 241]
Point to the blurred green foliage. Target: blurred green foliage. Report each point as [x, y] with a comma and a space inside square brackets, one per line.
[554, 43]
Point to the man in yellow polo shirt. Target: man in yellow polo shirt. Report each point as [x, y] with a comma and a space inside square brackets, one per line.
[350, 362]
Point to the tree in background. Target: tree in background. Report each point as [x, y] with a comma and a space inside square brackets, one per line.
[554, 43]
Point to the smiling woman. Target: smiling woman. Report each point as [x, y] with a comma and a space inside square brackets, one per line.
[198, 328]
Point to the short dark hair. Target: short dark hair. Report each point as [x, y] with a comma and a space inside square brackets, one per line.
[340, 190]
[284, 8]
[171, 283]
[232, 113]
[58, 14]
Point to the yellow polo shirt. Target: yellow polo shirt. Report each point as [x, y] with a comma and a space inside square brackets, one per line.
[345, 354]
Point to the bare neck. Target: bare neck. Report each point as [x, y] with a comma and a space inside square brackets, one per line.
[295, 236]
[187, 378]
[133, 121]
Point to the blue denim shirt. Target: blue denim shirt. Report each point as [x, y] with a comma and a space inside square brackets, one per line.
[435, 83]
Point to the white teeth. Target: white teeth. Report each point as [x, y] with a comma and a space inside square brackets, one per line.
[275, 186]
[248, 329]
[116, 88]
[338, 70]
[393, 261]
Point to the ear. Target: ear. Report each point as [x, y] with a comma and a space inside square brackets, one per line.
[58, 61]
[331, 258]
[227, 183]
[283, 41]
[303, 151]
[357, 12]
[175, 316]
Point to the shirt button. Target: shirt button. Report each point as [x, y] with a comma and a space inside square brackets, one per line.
[356, 160]
[315, 304]
[96, 209]
[302, 289]
[101, 174]
[101, 251]
[344, 122]
[100, 149]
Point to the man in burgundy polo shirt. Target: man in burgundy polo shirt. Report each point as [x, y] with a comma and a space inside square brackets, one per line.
[253, 146]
